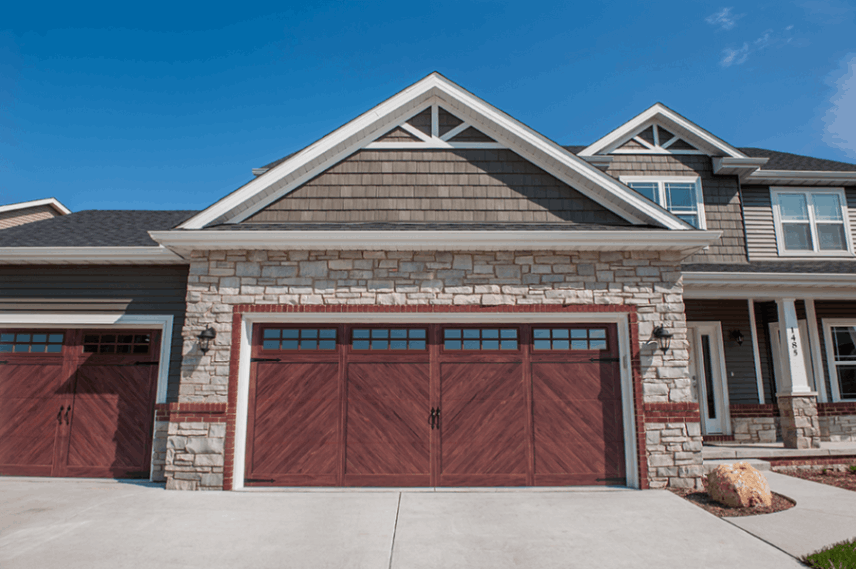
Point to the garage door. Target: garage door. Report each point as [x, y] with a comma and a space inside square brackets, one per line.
[435, 405]
[77, 403]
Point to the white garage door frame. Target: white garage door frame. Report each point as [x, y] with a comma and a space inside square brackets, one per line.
[249, 319]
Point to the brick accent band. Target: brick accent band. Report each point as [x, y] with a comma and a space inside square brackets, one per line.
[191, 412]
[836, 409]
[752, 411]
[672, 413]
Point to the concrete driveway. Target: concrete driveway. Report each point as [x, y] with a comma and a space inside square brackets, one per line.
[94, 524]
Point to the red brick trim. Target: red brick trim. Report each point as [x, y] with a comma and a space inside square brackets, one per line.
[717, 438]
[672, 413]
[836, 409]
[239, 309]
[753, 411]
[191, 412]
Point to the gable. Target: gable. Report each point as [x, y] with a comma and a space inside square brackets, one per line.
[653, 138]
[458, 185]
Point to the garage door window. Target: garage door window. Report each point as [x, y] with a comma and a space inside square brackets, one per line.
[31, 342]
[480, 339]
[117, 343]
[569, 339]
[389, 339]
[302, 339]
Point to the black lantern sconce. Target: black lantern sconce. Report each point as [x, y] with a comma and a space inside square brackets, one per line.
[205, 338]
[737, 336]
[664, 338]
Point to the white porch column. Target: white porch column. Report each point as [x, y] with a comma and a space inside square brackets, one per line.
[795, 380]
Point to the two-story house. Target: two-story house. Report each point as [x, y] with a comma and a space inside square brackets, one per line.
[434, 294]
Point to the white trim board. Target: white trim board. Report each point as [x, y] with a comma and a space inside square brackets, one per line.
[251, 318]
[53, 202]
[435, 90]
[673, 122]
[828, 324]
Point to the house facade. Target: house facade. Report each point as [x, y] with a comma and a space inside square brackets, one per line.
[436, 295]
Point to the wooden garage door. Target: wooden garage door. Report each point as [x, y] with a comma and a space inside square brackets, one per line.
[435, 405]
[77, 403]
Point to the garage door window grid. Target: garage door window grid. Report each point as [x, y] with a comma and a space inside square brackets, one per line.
[116, 343]
[569, 339]
[389, 339]
[480, 339]
[31, 342]
[299, 339]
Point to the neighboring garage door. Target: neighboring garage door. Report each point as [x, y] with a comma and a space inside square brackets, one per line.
[77, 402]
[435, 405]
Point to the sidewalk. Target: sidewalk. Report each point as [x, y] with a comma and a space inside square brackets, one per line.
[823, 515]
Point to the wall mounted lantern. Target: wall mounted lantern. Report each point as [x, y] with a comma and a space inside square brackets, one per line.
[737, 336]
[664, 338]
[205, 338]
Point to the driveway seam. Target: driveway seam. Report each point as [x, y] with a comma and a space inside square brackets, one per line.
[394, 529]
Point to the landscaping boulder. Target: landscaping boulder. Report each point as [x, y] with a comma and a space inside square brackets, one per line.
[739, 486]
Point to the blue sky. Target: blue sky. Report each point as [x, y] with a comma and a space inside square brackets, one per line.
[147, 106]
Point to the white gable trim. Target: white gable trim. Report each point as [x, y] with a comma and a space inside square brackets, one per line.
[53, 202]
[672, 121]
[435, 90]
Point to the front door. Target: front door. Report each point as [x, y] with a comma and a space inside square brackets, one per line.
[707, 368]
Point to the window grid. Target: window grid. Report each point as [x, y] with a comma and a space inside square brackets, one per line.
[667, 193]
[818, 229]
[474, 339]
[844, 353]
[113, 343]
[389, 339]
[31, 342]
[569, 339]
[299, 339]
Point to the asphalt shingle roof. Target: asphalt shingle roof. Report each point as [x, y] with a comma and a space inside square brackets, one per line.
[788, 161]
[94, 228]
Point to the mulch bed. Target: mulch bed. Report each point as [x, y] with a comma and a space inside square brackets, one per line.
[703, 500]
[845, 480]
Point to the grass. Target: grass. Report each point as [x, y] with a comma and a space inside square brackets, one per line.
[838, 556]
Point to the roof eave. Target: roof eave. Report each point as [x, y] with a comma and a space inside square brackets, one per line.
[813, 177]
[157, 255]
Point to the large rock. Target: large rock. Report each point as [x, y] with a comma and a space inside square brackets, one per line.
[739, 486]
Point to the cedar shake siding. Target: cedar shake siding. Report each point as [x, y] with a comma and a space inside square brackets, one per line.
[30, 289]
[721, 199]
[26, 215]
[436, 186]
[739, 361]
[760, 226]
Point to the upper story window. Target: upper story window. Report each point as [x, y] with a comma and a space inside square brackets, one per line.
[680, 195]
[811, 222]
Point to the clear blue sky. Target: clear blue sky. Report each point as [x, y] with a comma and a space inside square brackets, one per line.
[146, 106]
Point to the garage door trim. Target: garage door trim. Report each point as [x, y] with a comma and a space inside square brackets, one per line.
[249, 319]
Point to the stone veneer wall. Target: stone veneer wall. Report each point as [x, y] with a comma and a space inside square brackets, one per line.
[221, 280]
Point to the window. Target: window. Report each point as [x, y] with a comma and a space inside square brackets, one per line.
[811, 222]
[569, 338]
[116, 343]
[843, 362]
[389, 339]
[680, 195]
[301, 339]
[480, 338]
[31, 343]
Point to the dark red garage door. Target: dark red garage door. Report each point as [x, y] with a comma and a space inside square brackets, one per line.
[77, 403]
[435, 405]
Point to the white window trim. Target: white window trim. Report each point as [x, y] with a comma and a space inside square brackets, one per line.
[777, 220]
[620, 319]
[661, 190]
[828, 325]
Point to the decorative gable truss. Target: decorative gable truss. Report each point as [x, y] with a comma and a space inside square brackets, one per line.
[433, 128]
[655, 139]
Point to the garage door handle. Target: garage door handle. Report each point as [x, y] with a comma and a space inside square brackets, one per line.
[431, 417]
[59, 415]
[66, 414]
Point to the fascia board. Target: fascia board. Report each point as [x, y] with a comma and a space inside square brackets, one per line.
[762, 176]
[661, 240]
[53, 202]
[89, 255]
[349, 138]
[671, 118]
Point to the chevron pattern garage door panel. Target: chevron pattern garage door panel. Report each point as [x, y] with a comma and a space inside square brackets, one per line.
[578, 429]
[483, 424]
[111, 421]
[387, 431]
[29, 408]
[295, 426]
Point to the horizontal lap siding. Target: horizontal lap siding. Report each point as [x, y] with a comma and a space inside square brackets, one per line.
[435, 186]
[100, 289]
[739, 360]
[721, 199]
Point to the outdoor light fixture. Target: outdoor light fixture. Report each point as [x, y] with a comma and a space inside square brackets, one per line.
[737, 336]
[664, 338]
[205, 338]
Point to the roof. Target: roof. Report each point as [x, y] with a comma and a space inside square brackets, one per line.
[780, 267]
[94, 228]
[52, 202]
[788, 161]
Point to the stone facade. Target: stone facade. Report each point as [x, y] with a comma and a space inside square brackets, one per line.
[219, 280]
[159, 449]
[756, 429]
[800, 425]
[674, 455]
[840, 428]
[195, 456]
